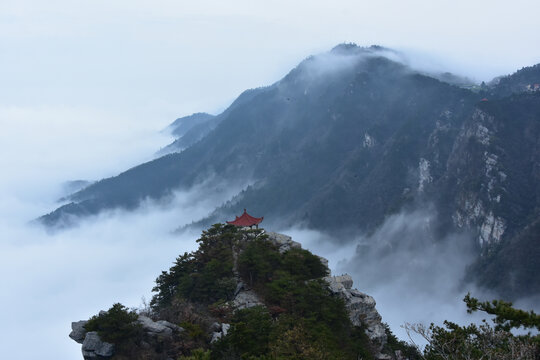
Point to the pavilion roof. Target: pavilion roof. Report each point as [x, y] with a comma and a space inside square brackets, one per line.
[245, 220]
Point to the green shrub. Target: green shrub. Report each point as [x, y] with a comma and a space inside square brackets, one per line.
[203, 276]
[197, 354]
[249, 334]
[305, 320]
[258, 261]
[303, 264]
[194, 331]
[115, 326]
[470, 342]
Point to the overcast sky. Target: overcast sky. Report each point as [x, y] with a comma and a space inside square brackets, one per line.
[86, 86]
[160, 59]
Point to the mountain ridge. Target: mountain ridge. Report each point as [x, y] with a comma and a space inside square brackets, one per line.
[348, 138]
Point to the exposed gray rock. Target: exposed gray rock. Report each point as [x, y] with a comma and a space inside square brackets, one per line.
[239, 287]
[340, 281]
[222, 331]
[78, 332]
[158, 328]
[171, 326]
[94, 348]
[284, 242]
[216, 335]
[246, 299]
[361, 307]
[215, 326]
[399, 355]
[225, 328]
[324, 261]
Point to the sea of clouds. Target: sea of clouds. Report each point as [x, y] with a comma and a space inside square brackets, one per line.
[51, 278]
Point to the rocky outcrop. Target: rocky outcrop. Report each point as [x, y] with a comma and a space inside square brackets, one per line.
[479, 178]
[78, 332]
[158, 328]
[246, 299]
[221, 330]
[361, 308]
[284, 242]
[94, 348]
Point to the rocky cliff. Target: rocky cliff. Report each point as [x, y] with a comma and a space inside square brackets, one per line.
[180, 325]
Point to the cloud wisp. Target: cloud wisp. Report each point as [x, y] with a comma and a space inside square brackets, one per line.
[50, 279]
[414, 277]
[53, 279]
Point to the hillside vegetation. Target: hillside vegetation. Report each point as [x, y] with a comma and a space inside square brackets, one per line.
[241, 295]
[291, 313]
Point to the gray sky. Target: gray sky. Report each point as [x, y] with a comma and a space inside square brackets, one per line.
[85, 87]
[156, 60]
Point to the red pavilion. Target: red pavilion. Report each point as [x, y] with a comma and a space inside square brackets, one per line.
[246, 220]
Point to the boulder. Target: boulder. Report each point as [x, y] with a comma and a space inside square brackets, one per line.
[158, 328]
[94, 348]
[225, 328]
[246, 299]
[216, 335]
[346, 280]
[222, 331]
[78, 332]
[284, 242]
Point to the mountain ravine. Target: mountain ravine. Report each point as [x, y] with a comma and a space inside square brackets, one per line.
[351, 136]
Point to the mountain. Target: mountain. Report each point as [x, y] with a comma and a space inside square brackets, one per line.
[191, 129]
[348, 138]
[525, 80]
[245, 294]
[184, 124]
[188, 130]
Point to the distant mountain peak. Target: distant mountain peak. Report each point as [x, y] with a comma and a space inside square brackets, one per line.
[301, 142]
[354, 48]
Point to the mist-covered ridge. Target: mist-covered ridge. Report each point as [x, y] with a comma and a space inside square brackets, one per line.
[352, 136]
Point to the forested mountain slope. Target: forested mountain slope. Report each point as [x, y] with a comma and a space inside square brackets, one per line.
[349, 137]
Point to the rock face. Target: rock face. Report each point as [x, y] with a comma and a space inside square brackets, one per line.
[246, 299]
[78, 332]
[361, 308]
[476, 209]
[94, 348]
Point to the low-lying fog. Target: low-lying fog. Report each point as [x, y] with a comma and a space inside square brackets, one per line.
[411, 279]
[50, 279]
